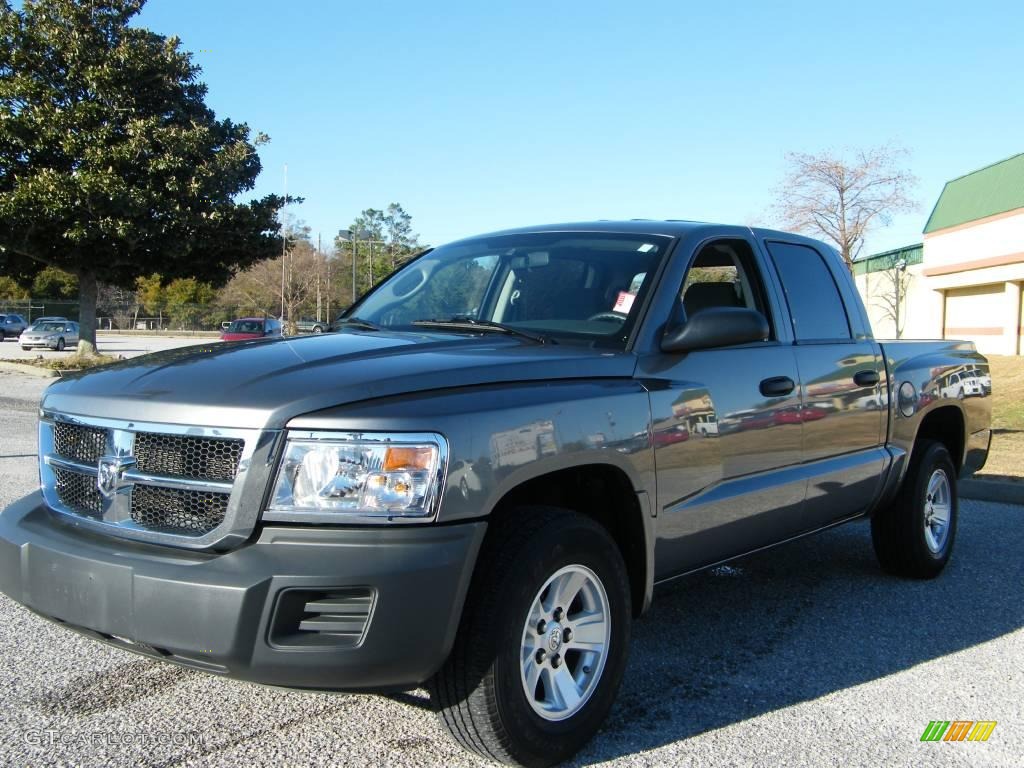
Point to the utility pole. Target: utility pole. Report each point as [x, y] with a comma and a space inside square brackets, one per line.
[318, 277]
[284, 244]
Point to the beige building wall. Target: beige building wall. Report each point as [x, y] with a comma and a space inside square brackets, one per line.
[968, 286]
[978, 269]
[876, 290]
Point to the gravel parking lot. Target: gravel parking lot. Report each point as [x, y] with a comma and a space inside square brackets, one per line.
[806, 655]
[109, 344]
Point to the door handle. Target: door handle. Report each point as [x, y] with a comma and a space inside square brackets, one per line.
[866, 378]
[777, 386]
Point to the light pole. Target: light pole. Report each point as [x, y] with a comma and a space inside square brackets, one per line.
[354, 236]
[901, 267]
[284, 239]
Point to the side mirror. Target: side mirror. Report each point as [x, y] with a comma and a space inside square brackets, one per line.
[716, 327]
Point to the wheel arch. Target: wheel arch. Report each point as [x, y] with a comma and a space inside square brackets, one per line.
[945, 424]
[604, 492]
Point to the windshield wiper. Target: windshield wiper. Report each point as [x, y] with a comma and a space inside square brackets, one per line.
[356, 322]
[461, 322]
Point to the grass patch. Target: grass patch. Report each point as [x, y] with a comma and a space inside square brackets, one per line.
[1007, 392]
[74, 362]
[1006, 458]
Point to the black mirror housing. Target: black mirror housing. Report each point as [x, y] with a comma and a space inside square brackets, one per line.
[716, 327]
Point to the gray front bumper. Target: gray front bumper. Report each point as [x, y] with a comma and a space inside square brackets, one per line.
[218, 612]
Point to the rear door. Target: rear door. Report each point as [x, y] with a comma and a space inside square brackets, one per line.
[842, 375]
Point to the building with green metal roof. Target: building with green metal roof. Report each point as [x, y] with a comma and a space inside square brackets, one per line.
[964, 281]
[988, 191]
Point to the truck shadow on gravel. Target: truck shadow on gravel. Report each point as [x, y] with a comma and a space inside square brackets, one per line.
[801, 621]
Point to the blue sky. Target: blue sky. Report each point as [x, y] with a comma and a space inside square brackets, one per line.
[477, 116]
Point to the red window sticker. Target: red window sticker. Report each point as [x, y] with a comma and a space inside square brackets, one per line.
[624, 302]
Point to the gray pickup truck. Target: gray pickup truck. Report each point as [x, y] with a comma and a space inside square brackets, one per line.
[477, 481]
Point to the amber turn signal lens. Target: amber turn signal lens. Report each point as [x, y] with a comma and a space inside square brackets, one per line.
[408, 458]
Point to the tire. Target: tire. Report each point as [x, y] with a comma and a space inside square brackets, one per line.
[27, 349]
[960, 394]
[2, 338]
[481, 691]
[906, 543]
[318, 329]
[61, 344]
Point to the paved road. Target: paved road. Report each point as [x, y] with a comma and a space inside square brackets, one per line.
[806, 655]
[109, 344]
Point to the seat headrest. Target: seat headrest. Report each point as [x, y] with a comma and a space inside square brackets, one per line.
[703, 295]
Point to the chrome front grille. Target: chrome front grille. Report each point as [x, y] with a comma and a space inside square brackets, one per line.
[152, 482]
[79, 442]
[173, 509]
[78, 492]
[207, 458]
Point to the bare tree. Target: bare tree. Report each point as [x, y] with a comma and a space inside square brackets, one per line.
[843, 196]
[259, 288]
[895, 280]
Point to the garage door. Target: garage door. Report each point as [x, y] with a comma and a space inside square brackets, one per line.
[974, 314]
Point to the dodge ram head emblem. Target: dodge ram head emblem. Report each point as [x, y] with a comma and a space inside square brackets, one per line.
[110, 474]
[555, 639]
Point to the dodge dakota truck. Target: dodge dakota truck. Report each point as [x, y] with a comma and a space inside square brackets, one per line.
[476, 481]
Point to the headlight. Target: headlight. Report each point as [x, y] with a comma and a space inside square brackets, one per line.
[365, 477]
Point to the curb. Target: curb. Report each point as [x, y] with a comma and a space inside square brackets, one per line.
[992, 490]
[31, 370]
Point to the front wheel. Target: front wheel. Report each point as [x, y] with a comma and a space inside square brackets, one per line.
[543, 641]
[914, 536]
[60, 344]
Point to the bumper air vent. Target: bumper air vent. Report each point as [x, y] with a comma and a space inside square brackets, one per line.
[336, 618]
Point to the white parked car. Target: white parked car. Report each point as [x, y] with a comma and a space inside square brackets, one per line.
[963, 384]
[52, 334]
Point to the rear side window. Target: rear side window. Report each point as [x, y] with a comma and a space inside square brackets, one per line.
[815, 305]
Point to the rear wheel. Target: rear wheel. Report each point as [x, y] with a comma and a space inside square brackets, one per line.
[543, 641]
[914, 536]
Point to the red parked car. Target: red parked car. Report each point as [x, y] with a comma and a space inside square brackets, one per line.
[246, 328]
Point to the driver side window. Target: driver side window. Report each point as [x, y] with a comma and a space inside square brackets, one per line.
[724, 274]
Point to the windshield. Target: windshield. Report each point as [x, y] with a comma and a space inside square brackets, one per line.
[574, 287]
[48, 327]
[245, 326]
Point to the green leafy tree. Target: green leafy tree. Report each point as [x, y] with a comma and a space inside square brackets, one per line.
[111, 164]
[10, 290]
[53, 283]
[379, 241]
[151, 294]
[186, 300]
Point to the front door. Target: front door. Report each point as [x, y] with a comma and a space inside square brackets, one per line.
[727, 449]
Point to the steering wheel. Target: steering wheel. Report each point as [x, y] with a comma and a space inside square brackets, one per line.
[607, 317]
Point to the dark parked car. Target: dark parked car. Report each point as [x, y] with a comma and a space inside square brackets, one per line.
[463, 488]
[248, 328]
[11, 326]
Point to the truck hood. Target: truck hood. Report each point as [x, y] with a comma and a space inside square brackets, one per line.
[264, 384]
